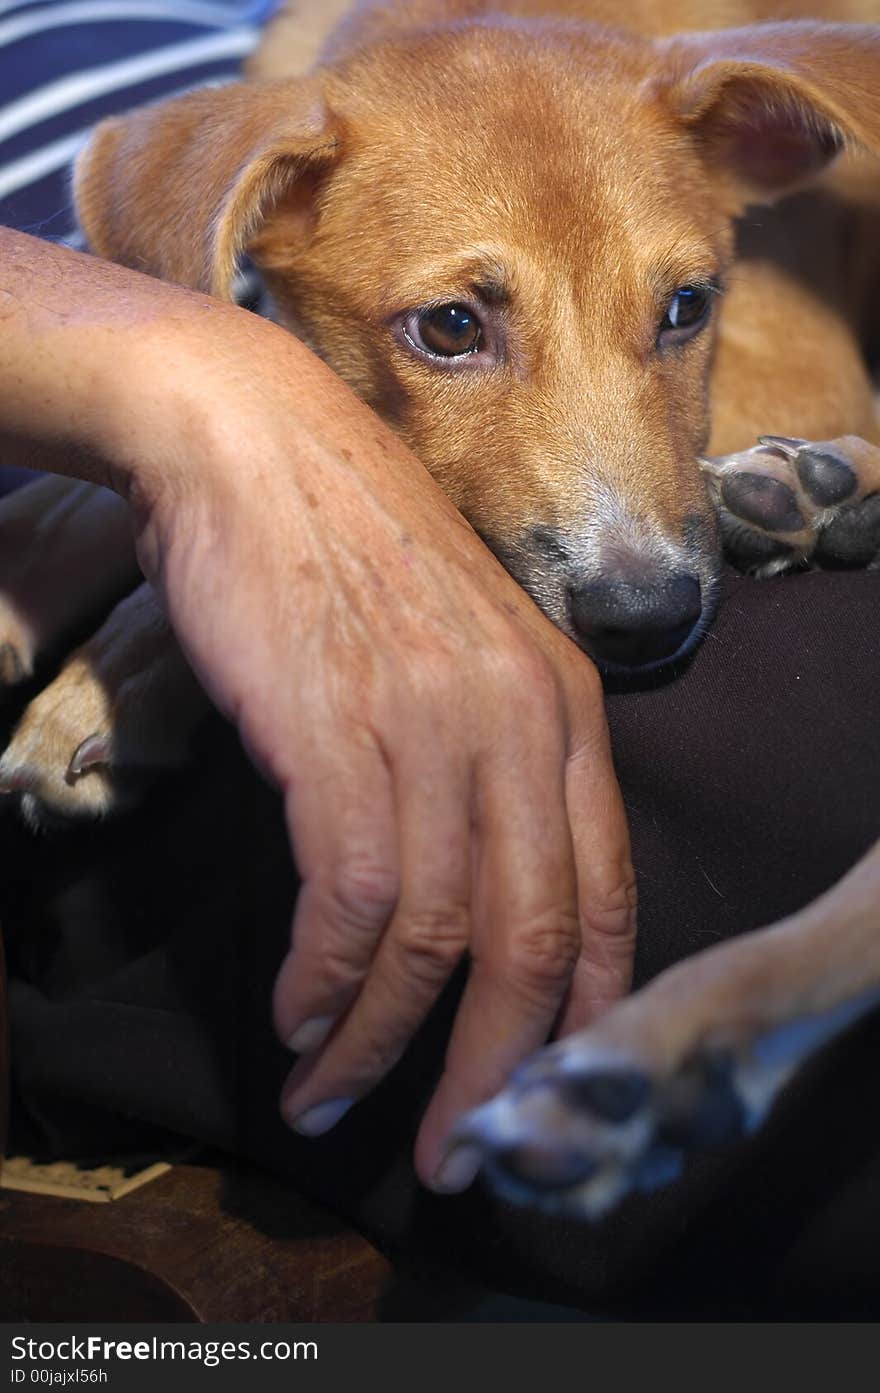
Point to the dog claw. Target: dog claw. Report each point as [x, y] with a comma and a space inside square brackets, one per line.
[95, 749]
[788, 444]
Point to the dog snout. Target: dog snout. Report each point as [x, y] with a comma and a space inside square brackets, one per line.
[627, 622]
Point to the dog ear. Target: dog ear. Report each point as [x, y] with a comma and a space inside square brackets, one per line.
[772, 104]
[178, 190]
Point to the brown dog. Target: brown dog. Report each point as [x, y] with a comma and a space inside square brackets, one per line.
[511, 234]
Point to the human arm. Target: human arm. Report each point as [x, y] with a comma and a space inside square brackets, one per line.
[440, 746]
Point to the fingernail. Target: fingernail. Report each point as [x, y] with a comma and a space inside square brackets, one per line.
[308, 1036]
[457, 1171]
[314, 1122]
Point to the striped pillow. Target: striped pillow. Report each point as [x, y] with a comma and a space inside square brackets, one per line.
[64, 65]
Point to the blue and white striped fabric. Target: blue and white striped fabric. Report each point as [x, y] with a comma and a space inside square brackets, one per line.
[66, 64]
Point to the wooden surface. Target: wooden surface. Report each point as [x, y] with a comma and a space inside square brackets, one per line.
[198, 1244]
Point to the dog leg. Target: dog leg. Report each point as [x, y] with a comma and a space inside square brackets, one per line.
[693, 1061]
[787, 500]
[66, 553]
[123, 706]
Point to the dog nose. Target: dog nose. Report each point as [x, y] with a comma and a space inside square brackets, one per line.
[636, 622]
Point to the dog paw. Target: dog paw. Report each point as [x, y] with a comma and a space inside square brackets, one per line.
[122, 708]
[788, 500]
[605, 1114]
[579, 1128]
[60, 760]
[16, 648]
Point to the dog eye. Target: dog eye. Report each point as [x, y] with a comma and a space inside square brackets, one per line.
[688, 309]
[445, 331]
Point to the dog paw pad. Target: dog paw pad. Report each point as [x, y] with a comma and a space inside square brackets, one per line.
[766, 502]
[701, 1107]
[824, 473]
[852, 536]
[544, 1168]
[828, 479]
[612, 1094]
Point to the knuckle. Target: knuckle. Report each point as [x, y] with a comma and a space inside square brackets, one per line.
[334, 977]
[531, 668]
[432, 939]
[532, 680]
[543, 953]
[377, 1054]
[613, 904]
[372, 1050]
[361, 894]
[434, 673]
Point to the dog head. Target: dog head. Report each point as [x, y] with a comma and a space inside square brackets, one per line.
[511, 239]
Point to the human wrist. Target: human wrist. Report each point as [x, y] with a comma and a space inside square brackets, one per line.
[69, 322]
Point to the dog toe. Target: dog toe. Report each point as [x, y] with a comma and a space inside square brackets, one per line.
[852, 536]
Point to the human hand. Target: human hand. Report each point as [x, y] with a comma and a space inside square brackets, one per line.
[441, 747]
